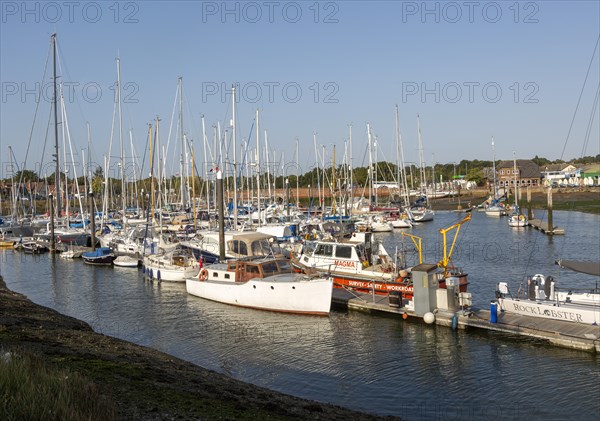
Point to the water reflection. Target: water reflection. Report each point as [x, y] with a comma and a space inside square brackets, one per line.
[366, 362]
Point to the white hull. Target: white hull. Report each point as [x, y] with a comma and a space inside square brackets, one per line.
[423, 216]
[161, 268]
[517, 221]
[582, 314]
[126, 261]
[287, 293]
[495, 211]
[401, 223]
[381, 227]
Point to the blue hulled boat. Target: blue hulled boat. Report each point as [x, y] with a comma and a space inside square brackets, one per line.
[100, 256]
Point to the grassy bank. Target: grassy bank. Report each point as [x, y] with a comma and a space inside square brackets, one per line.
[56, 367]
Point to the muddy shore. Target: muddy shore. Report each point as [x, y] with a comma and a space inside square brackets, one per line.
[145, 383]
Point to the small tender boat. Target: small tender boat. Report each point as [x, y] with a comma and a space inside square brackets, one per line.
[100, 256]
[265, 284]
[30, 247]
[517, 220]
[126, 261]
[71, 254]
[543, 299]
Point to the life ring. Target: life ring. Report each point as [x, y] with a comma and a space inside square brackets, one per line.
[203, 275]
[521, 218]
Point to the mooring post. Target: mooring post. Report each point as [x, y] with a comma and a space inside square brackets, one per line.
[221, 216]
[93, 220]
[52, 239]
[550, 222]
[529, 213]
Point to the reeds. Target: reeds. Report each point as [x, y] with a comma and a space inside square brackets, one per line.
[32, 388]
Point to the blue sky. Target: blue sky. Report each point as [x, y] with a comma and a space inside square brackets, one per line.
[471, 70]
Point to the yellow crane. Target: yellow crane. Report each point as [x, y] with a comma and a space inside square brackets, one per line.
[446, 261]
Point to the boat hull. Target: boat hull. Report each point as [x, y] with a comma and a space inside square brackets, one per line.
[581, 314]
[162, 272]
[105, 260]
[289, 293]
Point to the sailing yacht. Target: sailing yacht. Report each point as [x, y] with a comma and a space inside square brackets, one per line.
[516, 219]
[495, 208]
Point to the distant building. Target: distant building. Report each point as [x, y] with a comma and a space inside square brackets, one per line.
[526, 174]
[590, 174]
[560, 174]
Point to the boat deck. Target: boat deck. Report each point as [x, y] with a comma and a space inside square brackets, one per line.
[556, 332]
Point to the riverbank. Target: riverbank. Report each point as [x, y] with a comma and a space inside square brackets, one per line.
[140, 382]
[587, 201]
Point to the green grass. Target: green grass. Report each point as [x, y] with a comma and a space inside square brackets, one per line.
[31, 388]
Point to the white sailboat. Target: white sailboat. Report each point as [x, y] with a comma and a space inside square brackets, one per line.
[494, 208]
[421, 210]
[516, 219]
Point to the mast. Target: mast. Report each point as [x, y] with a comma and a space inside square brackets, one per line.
[235, 199]
[57, 170]
[258, 168]
[123, 190]
[494, 168]
[351, 170]
[206, 181]
[333, 197]
[516, 186]
[181, 178]
[297, 175]
[402, 173]
[370, 172]
[421, 158]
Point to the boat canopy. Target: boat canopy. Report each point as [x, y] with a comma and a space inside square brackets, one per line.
[591, 268]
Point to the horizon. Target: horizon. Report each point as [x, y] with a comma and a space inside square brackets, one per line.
[524, 73]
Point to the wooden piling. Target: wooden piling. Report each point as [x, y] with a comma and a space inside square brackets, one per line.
[92, 221]
[529, 212]
[550, 221]
[221, 215]
[52, 239]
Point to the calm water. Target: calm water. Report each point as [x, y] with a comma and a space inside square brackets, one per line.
[371, 363]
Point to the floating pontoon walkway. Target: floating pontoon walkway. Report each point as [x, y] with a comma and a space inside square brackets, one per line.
[543, 226]
[556, 332]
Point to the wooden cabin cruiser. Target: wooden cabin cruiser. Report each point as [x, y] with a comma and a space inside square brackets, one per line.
[265, 284]
[238, 245]
[541, 297]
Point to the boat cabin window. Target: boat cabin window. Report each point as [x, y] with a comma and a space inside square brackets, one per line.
[308, 247]
[324, 250]
[270, 268]
[261, 248]
[284, 266]
[252, 271]
[239, 247]
[343, 251]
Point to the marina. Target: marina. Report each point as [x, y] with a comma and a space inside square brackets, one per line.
[225, 230]
[300, 354]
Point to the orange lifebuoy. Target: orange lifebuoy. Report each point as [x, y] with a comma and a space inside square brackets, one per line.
[203, 275]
